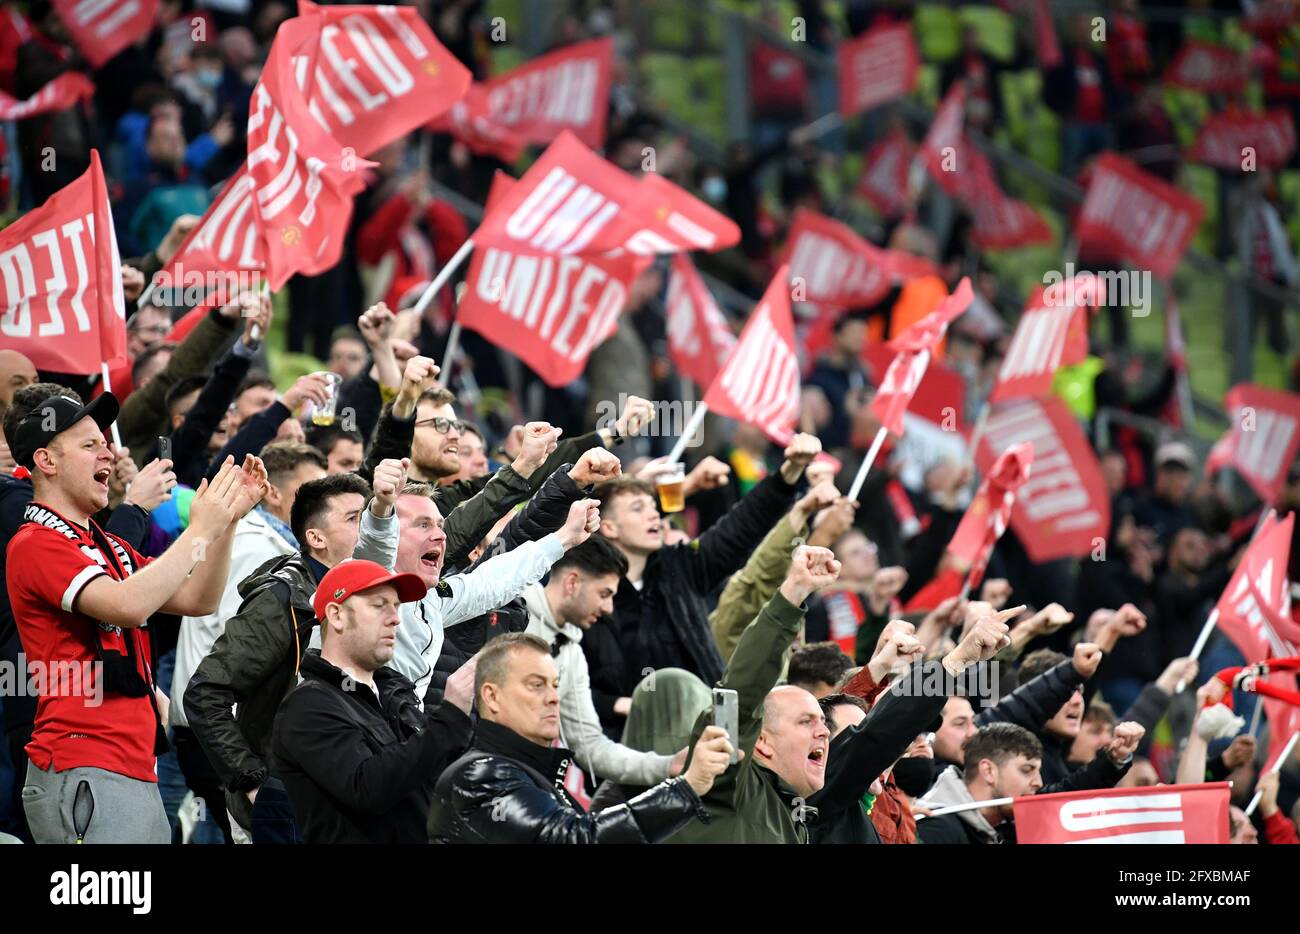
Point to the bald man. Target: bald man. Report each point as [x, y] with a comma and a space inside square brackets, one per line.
[16, 371]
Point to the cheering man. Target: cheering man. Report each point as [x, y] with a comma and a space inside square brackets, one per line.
[81, 598]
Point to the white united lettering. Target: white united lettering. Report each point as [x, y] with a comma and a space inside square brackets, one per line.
[43, 255]
[1261, 451]
[650, 242]
[762, 378]
[1135, 215]
[551, 296]
[560, 215]
[1037, 345]
[564, 93]
[282, 191]
[1055, 491]
[229, 227]
[110, 14]
[387, 76]
[682, 313]
[830, 269]
[1103, 813]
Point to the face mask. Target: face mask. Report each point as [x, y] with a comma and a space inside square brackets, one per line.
[715, 189]
[208, 79]
[914, 775]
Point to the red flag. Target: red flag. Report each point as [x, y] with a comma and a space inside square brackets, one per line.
[913, 348]
[60, 94]
[759, 384]
[1133, 216]
[102, 28]
[303, 179]
[470, 122]
[1283, 718]
[223, 243]
[939, 398]
[1262, 442]
[1046, 42]
[379, 74]
[833, 267]
[1254, 610]
[987, 516]
[677, 220]
[549, 310]
[569, 201]
[1176, 354]
[1063, 511]
[943, 149]
[699, 338]
[880, 66]
[1201, 66]
[1226, 138]
[1052, 333]
[884, 180]
[1004, 223]
[1160, 814]
[567, 90]
[61, 282]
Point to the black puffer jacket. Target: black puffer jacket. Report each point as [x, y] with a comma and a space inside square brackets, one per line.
[665, 624]
[507, 789]
[359, 768]
[543, 514]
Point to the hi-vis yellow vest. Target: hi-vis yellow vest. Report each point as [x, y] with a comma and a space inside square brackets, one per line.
[1075, 385]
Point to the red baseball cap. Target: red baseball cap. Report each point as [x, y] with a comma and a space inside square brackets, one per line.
[352, 577]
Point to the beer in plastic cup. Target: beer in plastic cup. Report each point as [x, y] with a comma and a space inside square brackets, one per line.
[324, 414]
[672, 490]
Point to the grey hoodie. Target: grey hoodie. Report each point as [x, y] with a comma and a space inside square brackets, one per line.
[948, 790]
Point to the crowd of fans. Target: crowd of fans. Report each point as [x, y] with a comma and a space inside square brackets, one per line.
[456, 611]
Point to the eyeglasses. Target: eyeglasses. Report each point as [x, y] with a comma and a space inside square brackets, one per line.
[441, 425]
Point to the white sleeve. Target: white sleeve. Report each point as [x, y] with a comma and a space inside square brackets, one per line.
[499, 579]
[595, 752]
[378, 539]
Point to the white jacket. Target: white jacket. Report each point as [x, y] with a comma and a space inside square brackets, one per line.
[256, 542]
[462, 597]
[598, 755]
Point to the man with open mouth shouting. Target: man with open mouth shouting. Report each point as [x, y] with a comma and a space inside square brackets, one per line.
[81, 600]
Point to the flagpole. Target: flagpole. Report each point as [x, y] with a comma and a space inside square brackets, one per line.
[103, 372]
[1210, 622]
[697, 418]
[1277, 767]
[870, 459]
[443, 275]
[1254, 717]
[449, 353]
[967, 806]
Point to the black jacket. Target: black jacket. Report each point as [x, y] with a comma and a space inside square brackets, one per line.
[543, 514]
[666, 623]
[950, 828]
[857, 757]
[359, 768]
[507, 789]
[190, 457]
[253, 664]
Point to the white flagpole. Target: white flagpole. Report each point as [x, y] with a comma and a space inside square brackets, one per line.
[1277, 767]
[697, 418]
[453, 345]
[870, 459]
[1210, 622]
[967, 806]
[117, 436]
[1254, 718]
[443, 275]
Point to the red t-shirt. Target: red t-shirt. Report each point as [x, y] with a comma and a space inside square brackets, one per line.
[50, 560]
[1091, 103]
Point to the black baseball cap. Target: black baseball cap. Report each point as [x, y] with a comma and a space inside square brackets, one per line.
[56, 415]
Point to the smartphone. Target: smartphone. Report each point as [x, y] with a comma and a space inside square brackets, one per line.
[164, 448]
[726, 714]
